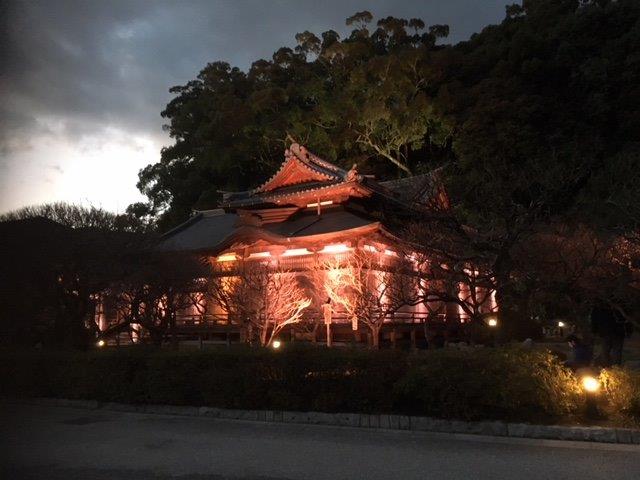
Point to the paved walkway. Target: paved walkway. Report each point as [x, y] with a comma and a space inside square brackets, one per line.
[66, 443]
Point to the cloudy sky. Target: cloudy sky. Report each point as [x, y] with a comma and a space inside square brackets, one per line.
[82, 83]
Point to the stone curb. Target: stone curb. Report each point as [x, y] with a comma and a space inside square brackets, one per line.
[363, 420]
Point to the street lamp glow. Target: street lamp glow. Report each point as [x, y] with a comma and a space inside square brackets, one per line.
[590, 384]
[100, 343]
[492, 322]
[276, 344]
[560, 324]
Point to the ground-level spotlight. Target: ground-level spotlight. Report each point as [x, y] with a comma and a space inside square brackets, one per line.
[492, 322]
[101, 343]
[560, 324]
[276, 344]
[590, 384]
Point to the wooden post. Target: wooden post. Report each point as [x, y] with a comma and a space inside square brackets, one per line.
[392, 336]
[413, 337]
[326, 314]
[200, 339]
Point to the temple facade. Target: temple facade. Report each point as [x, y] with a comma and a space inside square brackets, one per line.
[313, 254]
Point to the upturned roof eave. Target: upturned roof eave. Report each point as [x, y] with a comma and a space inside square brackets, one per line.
[251, 234]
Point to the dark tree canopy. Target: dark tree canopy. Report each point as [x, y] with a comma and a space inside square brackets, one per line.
[539, 110]
[365, 98]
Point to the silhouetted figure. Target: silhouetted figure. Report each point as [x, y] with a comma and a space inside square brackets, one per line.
[611, 326]
[581, 353]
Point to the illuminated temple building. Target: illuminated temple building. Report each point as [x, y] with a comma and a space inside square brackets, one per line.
[309, 215]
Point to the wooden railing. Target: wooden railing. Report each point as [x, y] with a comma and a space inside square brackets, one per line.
[215, 321]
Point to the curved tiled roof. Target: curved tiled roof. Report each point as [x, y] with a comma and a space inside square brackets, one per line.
[303, 173]
[309, 167]
[214, 230]
[201, 232]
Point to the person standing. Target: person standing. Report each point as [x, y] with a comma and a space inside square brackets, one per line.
[611, 326]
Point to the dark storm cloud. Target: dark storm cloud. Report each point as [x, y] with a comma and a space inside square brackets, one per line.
[94, 63]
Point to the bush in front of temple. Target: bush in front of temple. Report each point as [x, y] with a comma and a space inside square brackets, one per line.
[501, 383]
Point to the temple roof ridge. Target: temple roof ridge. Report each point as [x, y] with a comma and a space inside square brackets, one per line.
[301, 166]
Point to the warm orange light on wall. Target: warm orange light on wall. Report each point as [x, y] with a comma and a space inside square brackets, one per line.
[227, 257]
[337, 248]
[294, 252]
[260, 255]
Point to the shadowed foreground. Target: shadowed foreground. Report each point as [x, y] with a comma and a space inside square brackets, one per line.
[66, 443]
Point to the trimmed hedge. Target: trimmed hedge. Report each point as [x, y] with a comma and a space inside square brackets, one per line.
[502, 383]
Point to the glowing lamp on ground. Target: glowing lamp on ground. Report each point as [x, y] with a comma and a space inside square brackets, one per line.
[492, 322]
[276, 344]
[560, 324]
[590, 384]
[100, 343]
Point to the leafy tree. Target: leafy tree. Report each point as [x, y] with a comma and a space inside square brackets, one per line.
[78, 217]
[364, 98]
[541, 110]
[56, 258]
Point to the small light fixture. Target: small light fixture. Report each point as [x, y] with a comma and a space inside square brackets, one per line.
[590, 384]
[560, 324]
[492, 322]
[101, 343]
[322, 204]
[276, 344]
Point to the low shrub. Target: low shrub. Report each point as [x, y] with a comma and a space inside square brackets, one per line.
[511, 384]
[621, 391]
